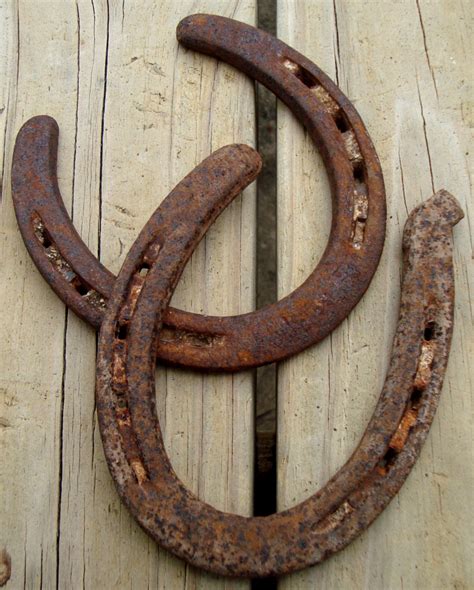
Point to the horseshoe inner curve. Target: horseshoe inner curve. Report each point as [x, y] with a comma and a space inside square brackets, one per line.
[306, 534]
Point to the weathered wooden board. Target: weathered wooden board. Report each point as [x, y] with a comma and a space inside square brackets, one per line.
[407, 67]
[136, 113]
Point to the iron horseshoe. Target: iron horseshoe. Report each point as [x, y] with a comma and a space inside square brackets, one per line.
[233, 545]
[274, 332]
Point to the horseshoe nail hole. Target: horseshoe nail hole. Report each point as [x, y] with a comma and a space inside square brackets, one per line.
[426, 357]
[62, 266]
[341, 122]
[352, 147]
[305, 77]
[121, 331]
[80, 287]
[123, 417]
[333, 520]
[429, 332]
[359, 217]
[172, 334]
[139, 470]
[46, 241]
[151, 254]
[143, 271]
[327, 101]
[387, 460]
[95, 299]
[361, 207]
[415, 397]
[301, 73]
[41, 232]
[358, 172]
[291, 65]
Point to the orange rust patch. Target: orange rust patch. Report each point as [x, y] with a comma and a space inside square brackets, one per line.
[139, 471]
[136, 285]
[398, 440]
[119, 375]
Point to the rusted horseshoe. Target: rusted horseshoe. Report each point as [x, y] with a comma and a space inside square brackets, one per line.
[234, 545]
[59, 253]
[274, 332]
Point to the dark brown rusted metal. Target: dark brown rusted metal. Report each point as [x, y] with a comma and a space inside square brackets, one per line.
[274, 332]
[63, 259]
[234, 545]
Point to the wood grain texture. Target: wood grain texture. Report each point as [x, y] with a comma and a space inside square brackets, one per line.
[136, 113]
[407, 68]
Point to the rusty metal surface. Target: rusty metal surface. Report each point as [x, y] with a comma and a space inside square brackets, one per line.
[276, 331]
[63, 259]
[234, 545]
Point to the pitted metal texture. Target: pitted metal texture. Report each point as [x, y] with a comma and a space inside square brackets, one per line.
[274, 332]
[234, 545]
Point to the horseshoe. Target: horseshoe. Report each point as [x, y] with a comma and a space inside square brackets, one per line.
[59, 253]
[234, 545]
[274, 332]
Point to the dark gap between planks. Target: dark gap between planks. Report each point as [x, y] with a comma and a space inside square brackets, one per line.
[265, 392]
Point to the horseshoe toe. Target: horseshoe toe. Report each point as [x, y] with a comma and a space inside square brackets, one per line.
[307, 534]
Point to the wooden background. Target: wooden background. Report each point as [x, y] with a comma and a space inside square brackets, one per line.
[136, 113]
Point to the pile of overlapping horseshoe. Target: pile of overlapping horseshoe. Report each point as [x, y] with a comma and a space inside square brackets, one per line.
[136, 324]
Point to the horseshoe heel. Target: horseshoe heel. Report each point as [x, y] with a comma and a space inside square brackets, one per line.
[234, 545]
[56, 248]
[279, 330]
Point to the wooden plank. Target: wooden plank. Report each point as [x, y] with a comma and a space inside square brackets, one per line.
[33, 320]
[136, 113]
[407, 67]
